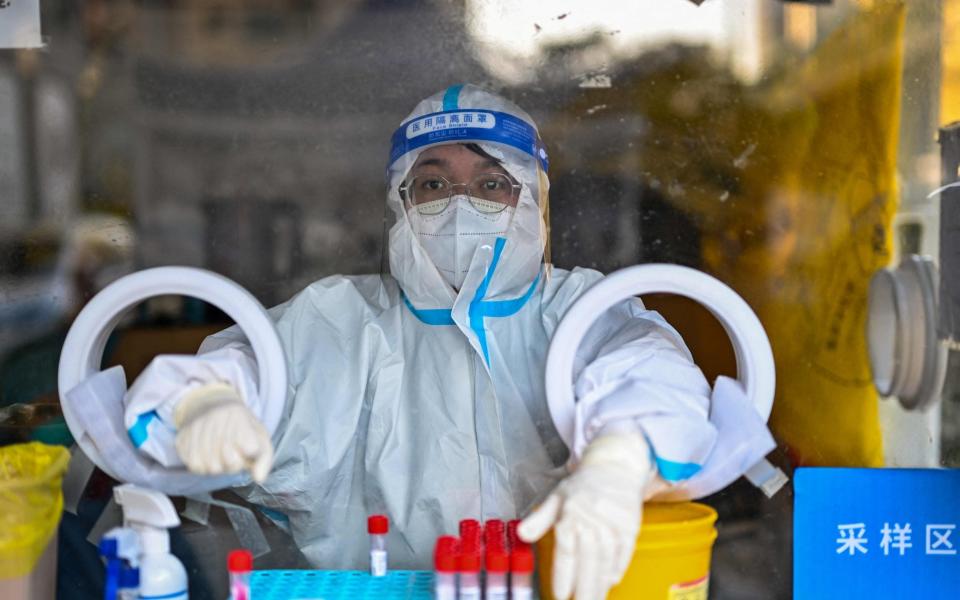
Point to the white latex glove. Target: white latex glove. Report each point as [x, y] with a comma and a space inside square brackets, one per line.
[595, 513]
[217, 434]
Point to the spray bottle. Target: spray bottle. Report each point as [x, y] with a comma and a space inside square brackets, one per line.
[150, 514]
[120, 548]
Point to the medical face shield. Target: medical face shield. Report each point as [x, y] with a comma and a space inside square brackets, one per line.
[510, 194]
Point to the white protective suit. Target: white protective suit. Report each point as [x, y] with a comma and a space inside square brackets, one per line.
[412, 399]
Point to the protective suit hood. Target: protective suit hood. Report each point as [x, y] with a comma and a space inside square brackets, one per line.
[507, 269]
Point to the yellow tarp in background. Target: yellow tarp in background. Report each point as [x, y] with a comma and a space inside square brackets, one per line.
[812, 224]
[950, 67]
[792, 186]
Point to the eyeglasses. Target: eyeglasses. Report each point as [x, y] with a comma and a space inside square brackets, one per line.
[488, 193]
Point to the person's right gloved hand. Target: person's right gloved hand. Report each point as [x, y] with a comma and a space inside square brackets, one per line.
[595, 514]
[217, 434]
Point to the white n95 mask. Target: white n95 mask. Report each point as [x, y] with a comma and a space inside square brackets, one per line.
[451, 237]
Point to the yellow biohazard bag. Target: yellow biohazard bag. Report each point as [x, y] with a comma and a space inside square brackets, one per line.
[791, 185]
[30, 503]
[813, 224]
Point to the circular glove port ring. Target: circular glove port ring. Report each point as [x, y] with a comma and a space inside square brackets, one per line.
[83, 349]
[907, 359]
[755, 368]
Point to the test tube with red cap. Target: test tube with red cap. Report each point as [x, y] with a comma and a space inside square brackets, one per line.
[493, 533]
[470, 530]
[469, 568]
[521, 572]
[512, 538]
[239, 565]
[445, 557]
[377, 527]
[498, 565]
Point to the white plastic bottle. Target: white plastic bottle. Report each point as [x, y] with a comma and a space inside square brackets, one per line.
[120, 548]
[150, 514]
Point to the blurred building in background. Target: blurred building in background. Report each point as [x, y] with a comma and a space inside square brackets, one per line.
[250, 137]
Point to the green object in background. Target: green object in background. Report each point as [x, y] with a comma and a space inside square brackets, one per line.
[40, 422]
[29, 404]
[29, 372]
[29, 398]
[54, 432]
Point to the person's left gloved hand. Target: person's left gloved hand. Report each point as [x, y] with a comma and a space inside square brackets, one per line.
[595, 513]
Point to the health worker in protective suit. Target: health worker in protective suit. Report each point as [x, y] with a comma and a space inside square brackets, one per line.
[421, 394]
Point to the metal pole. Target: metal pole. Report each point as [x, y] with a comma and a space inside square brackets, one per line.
[27, 66]
[949, 326]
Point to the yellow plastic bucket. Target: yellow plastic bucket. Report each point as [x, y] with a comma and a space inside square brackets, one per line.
[671, 560]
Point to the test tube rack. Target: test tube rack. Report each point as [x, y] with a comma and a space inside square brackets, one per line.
[340, 585]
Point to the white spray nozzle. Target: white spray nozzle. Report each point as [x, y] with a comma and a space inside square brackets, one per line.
[145, 507]
[149, 513]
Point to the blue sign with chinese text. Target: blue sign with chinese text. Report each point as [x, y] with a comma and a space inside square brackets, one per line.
[876, 533]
